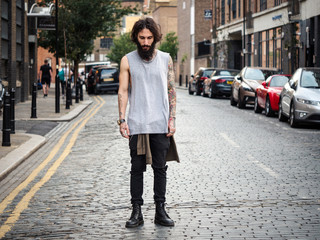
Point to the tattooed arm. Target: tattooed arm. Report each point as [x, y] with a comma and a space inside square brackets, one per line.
[124, 78]
[172, 100]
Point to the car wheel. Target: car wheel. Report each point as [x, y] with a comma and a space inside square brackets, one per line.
[268, 110]
[257, 108]
[211, 94]
[190, 92]
[293, 121]
[198, 91]
[241, 103]
[232, 101]
[281, 117]
[203, 92]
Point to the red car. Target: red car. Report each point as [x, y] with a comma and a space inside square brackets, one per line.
[267, 95]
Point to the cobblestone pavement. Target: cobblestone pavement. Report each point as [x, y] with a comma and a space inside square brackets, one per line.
[242, 176]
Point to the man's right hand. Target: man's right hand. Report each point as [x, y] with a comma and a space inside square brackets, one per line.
[124, 130]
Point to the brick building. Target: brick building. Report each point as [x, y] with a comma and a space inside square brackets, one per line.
[14, 64]
[274, 33]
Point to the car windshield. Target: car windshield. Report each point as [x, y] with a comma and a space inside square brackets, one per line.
[226, 73]
[207, 73]
[254, 74]
[278, 81]
[310, 79]
[108, 73]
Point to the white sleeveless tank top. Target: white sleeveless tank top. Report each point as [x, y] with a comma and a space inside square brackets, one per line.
[148, 94]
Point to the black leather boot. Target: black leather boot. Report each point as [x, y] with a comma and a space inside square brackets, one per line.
[162, 217]
[136, 218]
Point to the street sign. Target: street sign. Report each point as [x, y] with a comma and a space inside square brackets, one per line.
[208, 14]
[46, 23]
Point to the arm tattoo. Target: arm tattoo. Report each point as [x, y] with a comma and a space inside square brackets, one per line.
[171, 90]
[120, 105]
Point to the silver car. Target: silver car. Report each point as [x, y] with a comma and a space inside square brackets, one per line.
[300, 97]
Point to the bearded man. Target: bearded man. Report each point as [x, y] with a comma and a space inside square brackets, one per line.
[147, 80]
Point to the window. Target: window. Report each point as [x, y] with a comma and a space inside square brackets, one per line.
[106, 42]
[263, 5]
[250, 49]
[271, 47]
[277, 2]
[239, 8]
[277, 48]
[234, 9]
[223, 12]
[19, 33]
[5, 29]
[203, 49]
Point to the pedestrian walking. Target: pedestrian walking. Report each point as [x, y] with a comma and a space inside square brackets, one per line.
[62, 81]
[45, 75]
[147, 81]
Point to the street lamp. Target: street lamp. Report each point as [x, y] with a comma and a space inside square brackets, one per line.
[57, 102]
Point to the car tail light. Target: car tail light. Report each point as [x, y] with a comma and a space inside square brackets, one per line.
[220, 80]
[203, 78]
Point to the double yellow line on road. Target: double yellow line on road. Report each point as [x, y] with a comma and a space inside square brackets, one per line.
[24, 202]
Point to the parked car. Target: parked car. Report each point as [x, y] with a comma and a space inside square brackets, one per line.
[196, 81]
[245, 84]
[267, 95]
[300, 97]
[90, 79]
[219, 83]
[106, 79]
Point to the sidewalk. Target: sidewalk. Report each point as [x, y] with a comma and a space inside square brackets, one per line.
[30, 132]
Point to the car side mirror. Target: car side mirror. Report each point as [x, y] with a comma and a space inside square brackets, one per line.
[239, 78]
[264, 84]
[192, 76]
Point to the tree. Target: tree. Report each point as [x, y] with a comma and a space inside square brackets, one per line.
[122, 46]
[80, 22]
[170, 45]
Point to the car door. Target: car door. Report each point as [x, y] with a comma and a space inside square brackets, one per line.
[236, 84]
[289, 90]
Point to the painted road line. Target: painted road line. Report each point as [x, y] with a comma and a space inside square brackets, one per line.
[229, 140]
[264, 167]
[35, 172]
[23, 204]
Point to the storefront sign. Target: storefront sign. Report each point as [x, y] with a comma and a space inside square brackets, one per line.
[46, 23]
[208, 14]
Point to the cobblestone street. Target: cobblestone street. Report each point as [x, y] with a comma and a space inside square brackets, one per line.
[242, 176]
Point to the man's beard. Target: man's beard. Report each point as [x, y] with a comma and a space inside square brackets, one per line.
[146, 54]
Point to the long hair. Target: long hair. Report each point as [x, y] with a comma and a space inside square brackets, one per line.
[149, 24]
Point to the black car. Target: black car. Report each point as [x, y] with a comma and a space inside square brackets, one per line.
[106, 79]
[219, 83]
[196, 81]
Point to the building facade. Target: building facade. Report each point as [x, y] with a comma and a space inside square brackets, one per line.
[14, 64]
[282, 34]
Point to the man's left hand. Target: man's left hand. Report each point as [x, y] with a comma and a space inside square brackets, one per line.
[171, 127]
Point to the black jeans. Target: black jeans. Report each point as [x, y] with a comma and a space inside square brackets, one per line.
[159, 145]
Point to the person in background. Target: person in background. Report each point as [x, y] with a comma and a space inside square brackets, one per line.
[45, 75]
[62, 80]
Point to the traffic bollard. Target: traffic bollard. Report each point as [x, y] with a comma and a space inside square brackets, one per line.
[12, 105]
[186, 80]
[34, 101]
[77, 91]
[81, 91]
[6, 121]
[68, 95]
[180, 80]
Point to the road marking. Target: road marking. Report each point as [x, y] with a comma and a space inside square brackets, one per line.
[261, 165]
[225, 136]
[23, 204]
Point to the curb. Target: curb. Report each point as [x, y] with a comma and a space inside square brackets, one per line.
[17, 156]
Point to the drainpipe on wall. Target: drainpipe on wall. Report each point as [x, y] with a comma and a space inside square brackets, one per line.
[192, 30]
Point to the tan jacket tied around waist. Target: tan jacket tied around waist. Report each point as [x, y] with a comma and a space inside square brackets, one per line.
[143, 148]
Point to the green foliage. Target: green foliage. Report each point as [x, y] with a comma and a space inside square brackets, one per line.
[80, 22]
[122, 46]
[170, 45]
